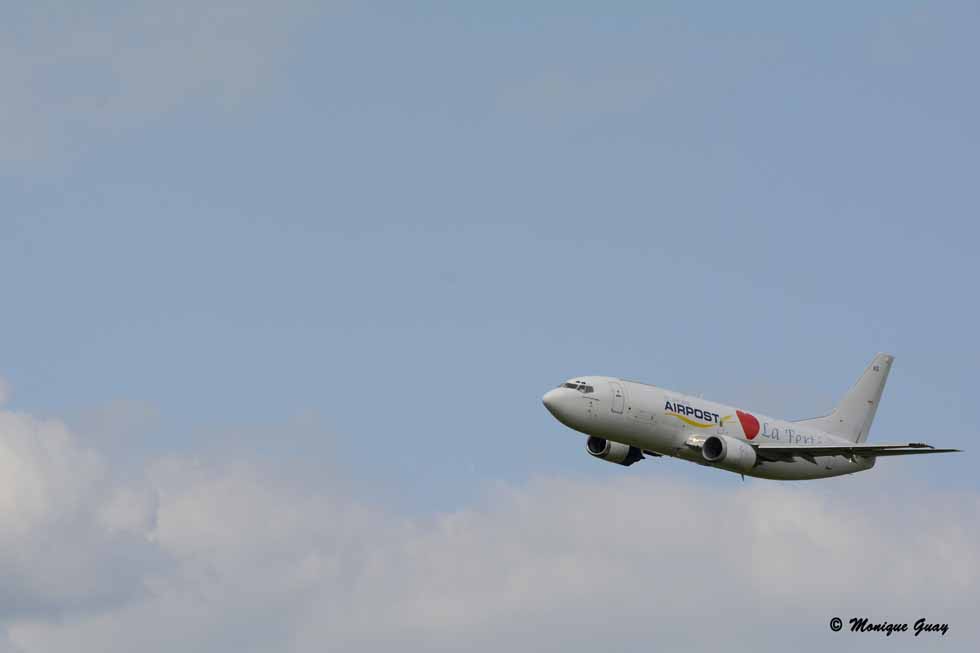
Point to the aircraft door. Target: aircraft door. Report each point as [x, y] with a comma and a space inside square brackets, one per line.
[618, 397]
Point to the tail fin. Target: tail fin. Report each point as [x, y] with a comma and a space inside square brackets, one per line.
[853, 416]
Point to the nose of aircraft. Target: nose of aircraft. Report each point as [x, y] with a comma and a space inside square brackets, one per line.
[550, 400]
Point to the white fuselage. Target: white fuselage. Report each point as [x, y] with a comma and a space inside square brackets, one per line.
[669, 423]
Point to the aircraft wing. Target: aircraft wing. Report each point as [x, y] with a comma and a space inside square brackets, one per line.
[776, 452]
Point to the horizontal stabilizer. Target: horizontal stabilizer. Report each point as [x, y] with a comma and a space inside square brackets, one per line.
[775, 452]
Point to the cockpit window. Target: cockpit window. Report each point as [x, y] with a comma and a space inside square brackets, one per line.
[581, 387]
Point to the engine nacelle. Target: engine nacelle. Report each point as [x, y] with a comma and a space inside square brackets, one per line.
[614, 452]
[728, 453]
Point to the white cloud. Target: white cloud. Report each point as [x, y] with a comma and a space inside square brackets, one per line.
[56, 554]
[227, 557]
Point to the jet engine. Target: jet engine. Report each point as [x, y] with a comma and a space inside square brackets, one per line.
[728, 453]
[614, 452]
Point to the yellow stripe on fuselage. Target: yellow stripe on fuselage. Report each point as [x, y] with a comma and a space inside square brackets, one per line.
[691, 421]
[687, 420]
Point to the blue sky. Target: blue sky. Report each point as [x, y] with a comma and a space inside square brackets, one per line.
[355, 243]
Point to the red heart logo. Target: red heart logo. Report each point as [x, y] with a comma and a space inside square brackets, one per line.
[750, 425]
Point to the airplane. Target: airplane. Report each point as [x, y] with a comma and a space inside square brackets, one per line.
[626, 421]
